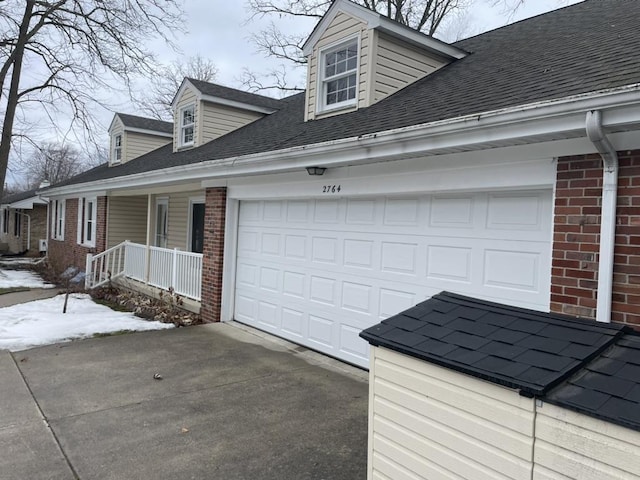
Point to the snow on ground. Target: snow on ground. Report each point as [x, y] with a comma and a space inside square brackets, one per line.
[42, 322]
[22, 278]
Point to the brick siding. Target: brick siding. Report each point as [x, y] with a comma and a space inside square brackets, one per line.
[576, 239]
[66, 253]
[214, 224]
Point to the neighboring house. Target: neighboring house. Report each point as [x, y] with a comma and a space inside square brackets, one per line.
[463, 388]
[504, 166]
[23, 223]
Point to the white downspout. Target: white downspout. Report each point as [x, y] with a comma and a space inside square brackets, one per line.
[607, 214]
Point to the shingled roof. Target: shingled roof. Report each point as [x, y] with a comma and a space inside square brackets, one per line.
[587, 47]
[609, 387]
[144, 123]
[16, 197]
[228, 93]
[578, 363]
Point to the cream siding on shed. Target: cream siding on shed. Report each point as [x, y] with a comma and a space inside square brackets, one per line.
[217, 120]
[397, 65]
[342, 27]
[138, 144]
[428, 422]
[188, 97]
[127, 220]
[571, 445]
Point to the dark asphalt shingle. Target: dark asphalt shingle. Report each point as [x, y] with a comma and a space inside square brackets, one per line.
[531, 352]
[582, 48]
[144, 123]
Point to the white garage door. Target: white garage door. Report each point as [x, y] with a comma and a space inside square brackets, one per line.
[317, 272]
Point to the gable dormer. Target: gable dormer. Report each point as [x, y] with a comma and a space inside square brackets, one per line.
[132, 136]
[204, 111]
[356, 57]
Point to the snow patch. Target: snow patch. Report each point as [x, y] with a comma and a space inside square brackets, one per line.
[42, 322]
[22, 278]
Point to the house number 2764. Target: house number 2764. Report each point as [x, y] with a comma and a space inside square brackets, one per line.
[331, 189]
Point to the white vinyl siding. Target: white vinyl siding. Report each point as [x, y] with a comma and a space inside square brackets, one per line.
[342, 27]
[179, 209]
[187, 98]
[428, 422]
[218, 120]
[571, 445]
[57, 219]
[139, 144]
[127, 220]
[398, 65]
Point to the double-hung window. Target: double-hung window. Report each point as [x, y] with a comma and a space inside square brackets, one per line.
[57, 219]
[87, 221]
[117, 149]
[17, 223]
[339, 75]
[187, 124]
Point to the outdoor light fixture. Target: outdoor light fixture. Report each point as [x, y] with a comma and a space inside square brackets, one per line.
[316, 170]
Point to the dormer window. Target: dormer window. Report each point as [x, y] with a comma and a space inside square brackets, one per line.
[117, 149]
[187, 124]
[339, 75]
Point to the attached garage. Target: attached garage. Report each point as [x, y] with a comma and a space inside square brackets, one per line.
[319, 271]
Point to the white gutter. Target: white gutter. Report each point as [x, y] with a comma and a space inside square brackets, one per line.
[607, 214]
[548, 117]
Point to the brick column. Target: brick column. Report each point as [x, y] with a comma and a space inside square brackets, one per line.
[576, 240]
[212, 262]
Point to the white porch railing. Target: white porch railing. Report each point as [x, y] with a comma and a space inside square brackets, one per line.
[159, 267]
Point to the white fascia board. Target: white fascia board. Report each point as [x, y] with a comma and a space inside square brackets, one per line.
[240, 105]
[377, 21]
[418, 39]
[620, 107]
[183, 85]
[28, 203]
[147, 132]
[113, 120]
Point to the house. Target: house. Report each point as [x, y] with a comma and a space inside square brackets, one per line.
[23, 223]
[503, 167]
[465, 388]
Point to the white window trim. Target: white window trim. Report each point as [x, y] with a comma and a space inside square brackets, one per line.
[57, 219]
[321, 96]
[161, 201]
[182, 127]
[83, 220]
[192, 201]
[116, 148]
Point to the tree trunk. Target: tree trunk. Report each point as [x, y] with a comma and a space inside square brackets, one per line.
[12, 97]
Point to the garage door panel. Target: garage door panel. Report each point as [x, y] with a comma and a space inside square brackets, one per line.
[318, 272]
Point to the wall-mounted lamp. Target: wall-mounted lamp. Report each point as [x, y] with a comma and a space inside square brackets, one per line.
[316, 170]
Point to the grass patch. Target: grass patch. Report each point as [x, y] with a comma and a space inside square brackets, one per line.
[13, 289]
[111, 334]
[112, 305]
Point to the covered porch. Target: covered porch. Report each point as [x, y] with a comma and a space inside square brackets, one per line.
[154, 241]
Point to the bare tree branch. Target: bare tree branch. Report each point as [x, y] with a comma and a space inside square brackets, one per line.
[73, 48]
[156, 102]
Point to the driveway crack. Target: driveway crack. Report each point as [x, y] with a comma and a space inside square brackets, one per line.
[46, 420]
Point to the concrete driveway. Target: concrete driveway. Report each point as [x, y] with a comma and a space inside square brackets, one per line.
[232, 404]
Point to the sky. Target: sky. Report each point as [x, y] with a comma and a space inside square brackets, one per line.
[220, 30]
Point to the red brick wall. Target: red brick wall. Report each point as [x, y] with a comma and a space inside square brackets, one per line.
[576, 239]
[63, 254]
[214, 222]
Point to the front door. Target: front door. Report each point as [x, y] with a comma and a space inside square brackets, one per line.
[197, 227]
